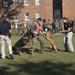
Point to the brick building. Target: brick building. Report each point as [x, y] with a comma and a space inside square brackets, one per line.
[68, 8]
[25, 10]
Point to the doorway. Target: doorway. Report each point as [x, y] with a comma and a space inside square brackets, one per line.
[57, 9]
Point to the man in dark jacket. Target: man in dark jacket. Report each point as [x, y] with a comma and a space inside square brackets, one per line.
[5, 33]
[68, 33]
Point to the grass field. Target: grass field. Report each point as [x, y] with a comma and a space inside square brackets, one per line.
[49, 63]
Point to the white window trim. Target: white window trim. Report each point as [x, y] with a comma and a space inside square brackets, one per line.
[25, 17]
[36, 15]
[5, 4]
[36, 3]
[14, 4]
[5, 15]
[25, 4]
[15, 20]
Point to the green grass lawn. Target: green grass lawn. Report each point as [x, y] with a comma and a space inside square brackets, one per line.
[49, 63]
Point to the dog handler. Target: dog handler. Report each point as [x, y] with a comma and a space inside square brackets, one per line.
[36, 31]
[5, 33]
[68, 33]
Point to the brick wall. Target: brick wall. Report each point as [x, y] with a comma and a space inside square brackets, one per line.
[68, 7]
[45, 8]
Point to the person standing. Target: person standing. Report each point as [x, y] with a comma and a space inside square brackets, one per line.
[72, 23]
[68, 33]
[36, 31]
[53, 27]
[5, 34]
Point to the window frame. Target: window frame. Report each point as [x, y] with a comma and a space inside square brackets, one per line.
[37, 2]
[5, 3]
[26, 17]
[37, 15]
[15, 2]
[16, 17]
[6, 15]
[26, 3]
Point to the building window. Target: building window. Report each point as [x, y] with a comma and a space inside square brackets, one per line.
[5, 3]
[37, 15]
[15, 17]
[26, 2]
[6, 15]
[37, 2]
[15, 2]
[26, 16]
[57, 14]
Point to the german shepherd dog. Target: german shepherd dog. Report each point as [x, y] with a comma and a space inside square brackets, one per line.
[50, 39]
[21, 43]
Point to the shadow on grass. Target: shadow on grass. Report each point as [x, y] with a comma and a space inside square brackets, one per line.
[46, 49]
[27, 50]
[42, 68]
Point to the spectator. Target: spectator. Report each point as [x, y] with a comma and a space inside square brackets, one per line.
[53, 27]
[72, 23]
